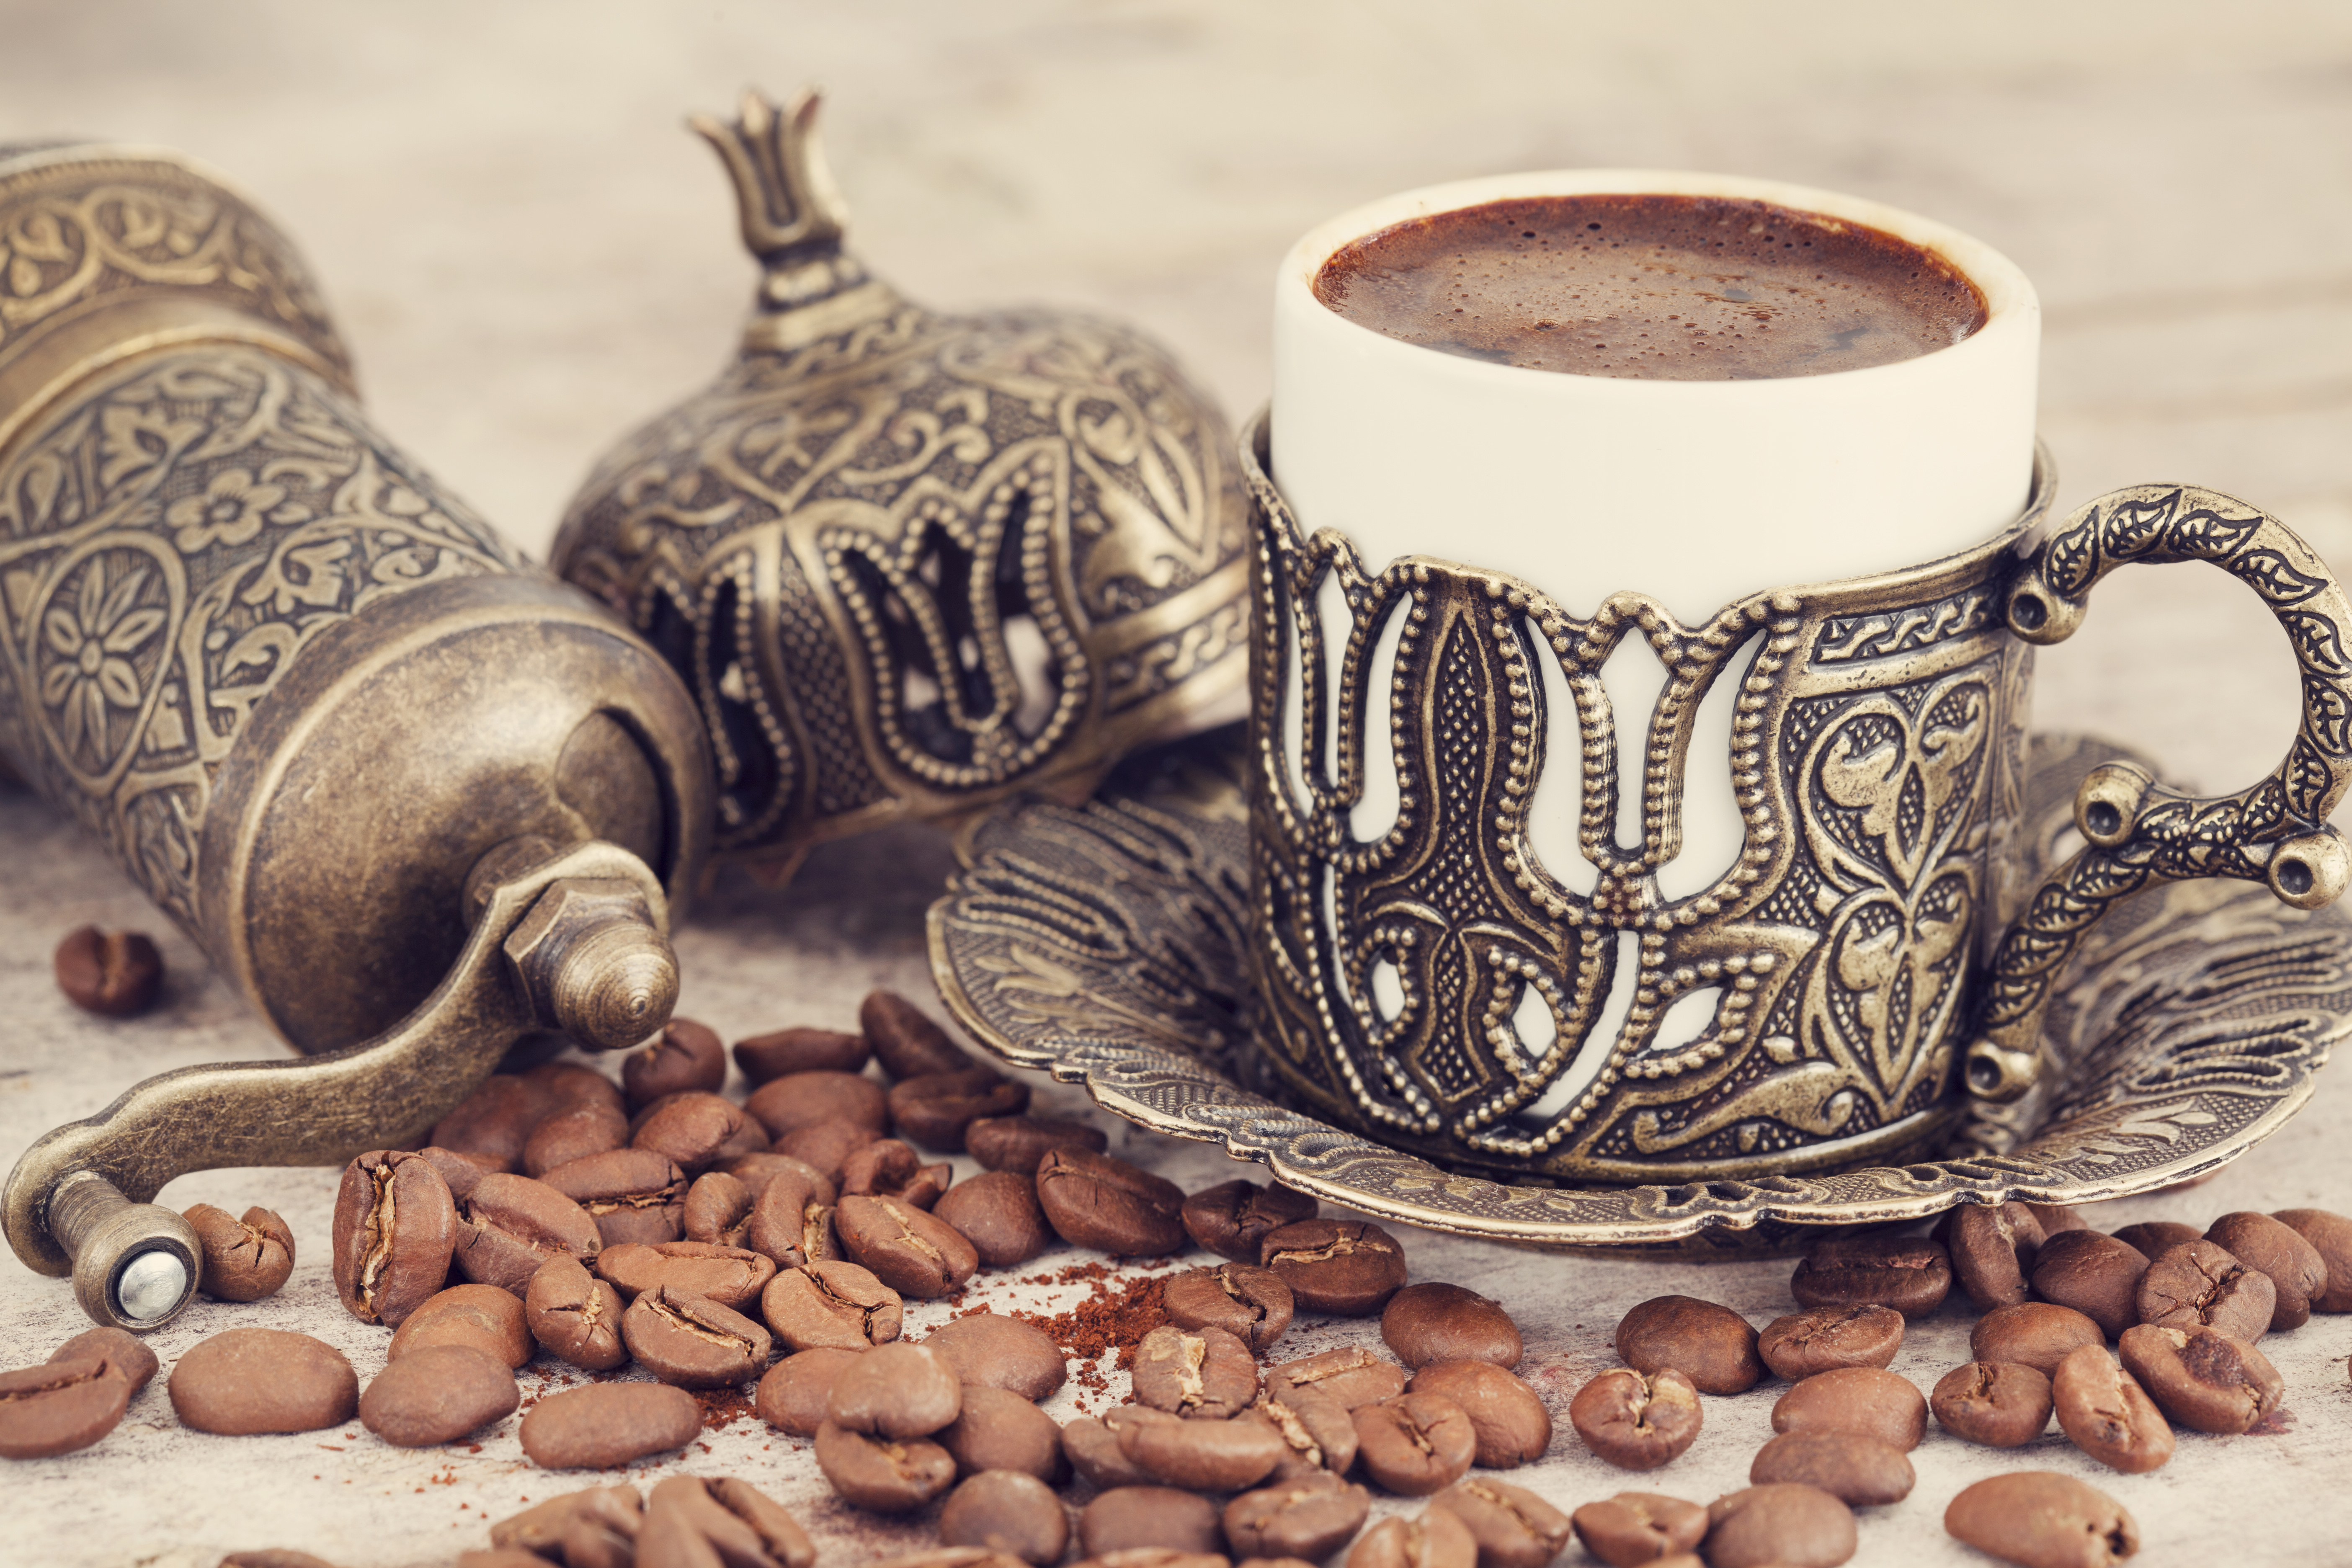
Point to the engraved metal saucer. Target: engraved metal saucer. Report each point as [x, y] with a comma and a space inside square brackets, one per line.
[1103, 943]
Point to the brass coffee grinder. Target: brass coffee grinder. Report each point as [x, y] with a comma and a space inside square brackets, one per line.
[415, 798]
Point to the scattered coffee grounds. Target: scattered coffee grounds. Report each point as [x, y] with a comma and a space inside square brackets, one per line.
[1115, 1316]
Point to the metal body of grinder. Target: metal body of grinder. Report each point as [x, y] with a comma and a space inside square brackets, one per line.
[415, 798]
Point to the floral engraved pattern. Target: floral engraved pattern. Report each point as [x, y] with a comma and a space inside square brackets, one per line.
[90, 685]
[230, 511]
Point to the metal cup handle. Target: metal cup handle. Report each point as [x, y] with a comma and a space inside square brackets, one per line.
[2137, 832]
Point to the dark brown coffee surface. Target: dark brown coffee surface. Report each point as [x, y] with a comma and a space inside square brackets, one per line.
[1659, 288]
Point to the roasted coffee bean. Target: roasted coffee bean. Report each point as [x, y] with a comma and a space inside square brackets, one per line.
[1311, 1517]
[1239, 1297]
[568, 1084]
[2039, 1334]
[633, 1194]
[1316, 1429]
[1876, 1404]
[1204, 1456]
[780, 1225]
[764, 1057]
[574, 1316]
[997, 1212]
[692, 1524]
[882, 1474]
[1267, 1562]
[2153, 1238]
[1513, 1426]
[692, 1340]
[395, 1228]
[496, 1119]
[1093, 1200]
[991, 1350]
[1992, 1250]
[2056, 1217]
[1435, 1538]
[2093, 1273]
[2330, 1236]
[1909, 1273]
[733, 1277]
[1009, 1511]
[996, 1429]
[437, 1394]
[1638, 1527]
[685, 1058]
[835, 1304]
[1092, 1448]
[245, 1381]
[61, 1406]
[914, 1253]
[951, 1557]
[1859, 1471]
[1514, 1527]
[717, 1209]
[792, 1393]
[2205, 1380]
[1200, 1371]
[1343, 1267]
[599, 1521]
[905, 1041]
[812, 1098]
[779, 1533]
[1783, 1525]
[460, 1171]
[889, 1167]
[1434, 1322]
[1015, 1143]
[2293, 1264]
[935, 1108]
[1351, 1374]
[1233, 1218]
[1417, 1443]
[1709, 1344]
[698, 1130]
[512, 1224]
[2201, 1285]
[609, 1424]
[244, 1260]
[481, 1317]
[896, 1391]
[1636, 1420]
[113, 973]
[2001, 1403]
[1127, 1517]
[125, 1354]
[2041, 1518]
[2107, 1413]
[573, 1132]
[758, 1172]
[826, 1145]
[1820, 1338]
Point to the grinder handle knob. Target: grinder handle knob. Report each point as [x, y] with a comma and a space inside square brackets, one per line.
[135, 1266]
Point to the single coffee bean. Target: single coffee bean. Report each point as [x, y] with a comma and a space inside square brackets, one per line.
[2153, 1238]
[1015, 1143]
[991, 1350]
[2093, 1273]
[1909, 1273]
[1092, 1448]
[599, 1522]
[896, 1391]
[812, 1099]
[573, 1132]
[1207, 1373]
[606, 1424]
[1203, 1456]
[2000, 1403]
[882, 1474]
[1233, 1218]
[496, 1119]
[568, 1084]
[1239, 1297]
[1436, 1538]
[633, 1194]
[2205, 1380]
[1820, 1338]
[512, 1224]
[1093, 1200]
[1417, 1443]
[2041, 1518]
[461, 1171]
[914, 1253]
[2039, 1334]
[394, 1229]
[1709, 1344]
[1636, 1420]
[685, 1058]
[2293, 1264]
[244, 1259]
[481, 1317]
[1783, 1525]
[1342, 1267]
[1351, 1374]
[889, 1167]
[779, 1225]
[776, 1054]
[1859, 1471]
[245, 1381]
[997, 1212]
[1434, 1322]
[2330, 1236]
[692, 1340]
[758, 1171]
[733, 1277]
[698, 1130]
[437, 1394]
[2056, 1217]
[1876, 1404]
[113, 973]
[834, 1304]
[61, 1406]
[2107, 1413]
[935, 1109]
[996, 1429]
[826, 1145]
[125, 1354]
[905, 1041]
[1638, 1527]
[1316, 1432]
[1311, 1517]
[2201, 1285]
[1160, 1517]
[1009, 1511]
[717, 1209]
[792, 1393]
[574, 1316]
[1514, 1527]
[1513, 1426]
[1992, 1250]
[690, 1523]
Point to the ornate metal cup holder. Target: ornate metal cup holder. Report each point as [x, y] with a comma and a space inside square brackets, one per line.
[1104, 943]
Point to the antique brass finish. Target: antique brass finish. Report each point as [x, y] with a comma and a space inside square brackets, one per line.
[912, 562]
[136, 1265]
